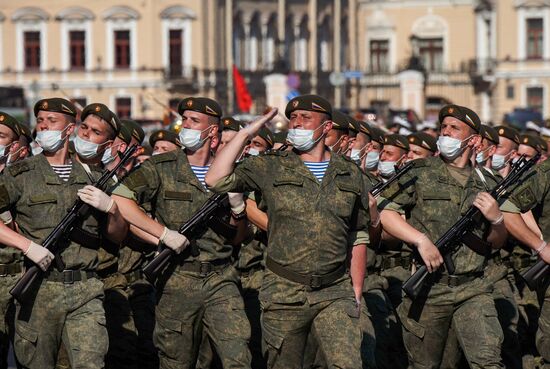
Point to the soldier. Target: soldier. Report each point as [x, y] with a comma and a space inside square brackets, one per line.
[230, 128]
[38, 191]
[372, 155]
[530, 145]
[316, 215]
[489, 143]
[421, 145]
[263, 142]
[433, 194]
[338, 137]
[506, 151]
[395, 150]
[164, 141]
[198, 294]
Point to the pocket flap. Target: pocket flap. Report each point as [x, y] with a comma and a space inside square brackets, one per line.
[288, 181]
[169, 323]
[437, 195]
[178, 196]
[43, 198]
[348, 187]
[26, 332]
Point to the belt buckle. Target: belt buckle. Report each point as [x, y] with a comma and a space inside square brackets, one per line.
[315, 281]
[452, 281]
[68, 276]
[205, 269]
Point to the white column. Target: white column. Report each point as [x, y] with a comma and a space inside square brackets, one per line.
[337, 34]
[313, 44]
[229, 53]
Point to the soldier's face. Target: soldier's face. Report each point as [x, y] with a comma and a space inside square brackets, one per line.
[199, 121]
[7, 136]
[50, 121]
[94, 129]
[455, 128]
[303, 119]
[506, 146]
[526, 150]
[259, 144]
[164, 146]
[227, 136]
[418, 152]
[391, 153]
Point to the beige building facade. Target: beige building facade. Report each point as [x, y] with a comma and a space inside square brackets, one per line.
[142, 56]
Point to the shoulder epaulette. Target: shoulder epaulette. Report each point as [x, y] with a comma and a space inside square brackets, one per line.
[167, 156]
[424, 162]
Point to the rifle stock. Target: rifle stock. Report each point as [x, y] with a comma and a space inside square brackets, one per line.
[533, 275]
[66, 224]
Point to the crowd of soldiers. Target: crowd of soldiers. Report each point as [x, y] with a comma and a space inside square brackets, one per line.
[301, 266]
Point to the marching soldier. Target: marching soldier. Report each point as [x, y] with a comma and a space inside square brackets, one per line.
[489, 144]
[230, 127]
[316, 216]
[421, 145]
[338, 137]
[164, 141]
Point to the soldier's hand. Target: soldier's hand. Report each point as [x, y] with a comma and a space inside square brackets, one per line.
[174, 240]
[429, 253]
[254, 127]
[95, 197]
[488, 207]
[40, 255]
[373, 211]
[236, 201]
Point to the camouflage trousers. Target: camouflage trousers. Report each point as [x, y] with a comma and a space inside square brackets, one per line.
[543, 333]
[335, 325]
[122, 332]
[188, 307]
[7, 311]
[57, 312]
[468, 309]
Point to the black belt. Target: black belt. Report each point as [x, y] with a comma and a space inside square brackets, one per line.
[389, 262]
[204, 267]
[69, 276]
[131, 277]
[457, 280]
[10, 269]
[314, 281]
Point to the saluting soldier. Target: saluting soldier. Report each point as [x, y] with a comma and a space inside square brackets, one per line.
[66, 306]
[316, 213]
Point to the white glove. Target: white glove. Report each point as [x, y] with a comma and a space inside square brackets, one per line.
[6, 217]
[174, 240]
[39, 255]
[236, 201]
[95, 197]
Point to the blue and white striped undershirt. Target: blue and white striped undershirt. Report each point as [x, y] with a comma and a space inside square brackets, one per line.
[63, 171]
[317, 168]
[200, 172]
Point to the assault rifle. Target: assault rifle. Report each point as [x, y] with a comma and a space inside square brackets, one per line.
[535, 274]
[78, 211]
[461, 230]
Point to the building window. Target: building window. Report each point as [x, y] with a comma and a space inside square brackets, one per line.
[535, 99]
[379, 51]
[510, 92]
[175, 56]
[77, 49]
[535, 32]
[430, 51]
[122, 49]
[32, 49]
[123, 107]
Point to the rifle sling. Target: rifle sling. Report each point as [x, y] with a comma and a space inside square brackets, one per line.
[476, 244]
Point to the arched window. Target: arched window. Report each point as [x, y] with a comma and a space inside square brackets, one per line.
[121, 37]
[431, 32]
[31, 38]
[76, 38]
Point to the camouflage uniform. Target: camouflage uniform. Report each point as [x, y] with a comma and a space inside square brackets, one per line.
[435, 197]
[55, 311]
[199, 293]
[531, 193]
[310, 225]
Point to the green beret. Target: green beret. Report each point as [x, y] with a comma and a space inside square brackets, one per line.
[309, 103]
[489, 133]
[534, 141]
[377, 135]
[11, 123]
[56, 105]
[423, 140]
[231, 124]
[202, 105]
[354, 126]
[280, 137]
[26, 131]
[365, 128]
[461, 113]
[135, 130]
[509, 133]
[340, 121]
[397, 140]
[102, 111]
[266, 134]
[164, 135]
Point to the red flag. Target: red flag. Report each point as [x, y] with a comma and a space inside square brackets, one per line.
[244, 100]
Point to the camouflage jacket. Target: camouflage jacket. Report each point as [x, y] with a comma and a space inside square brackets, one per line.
[39, 199]
[434, 201]
[168, 184]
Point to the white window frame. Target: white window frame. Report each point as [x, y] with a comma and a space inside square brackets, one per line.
[183, 24]
[113, 25]
[523, 14]
[384, 36]
[23, 26]
[123, 94]
[534, 84]
[443, 34]
[76, 25]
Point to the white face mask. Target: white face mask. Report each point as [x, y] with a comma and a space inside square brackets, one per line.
[302, 139]
[86, 149]
[191, 138]
[331, 148]
[386, 168]
[480, 157]
[355, 155]
[253, 152]
[449, 147]
[36, 150]
[156, 153]
[51, 141]
[107, 156]
[372, 159]
[4, 150]
[499, 161]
